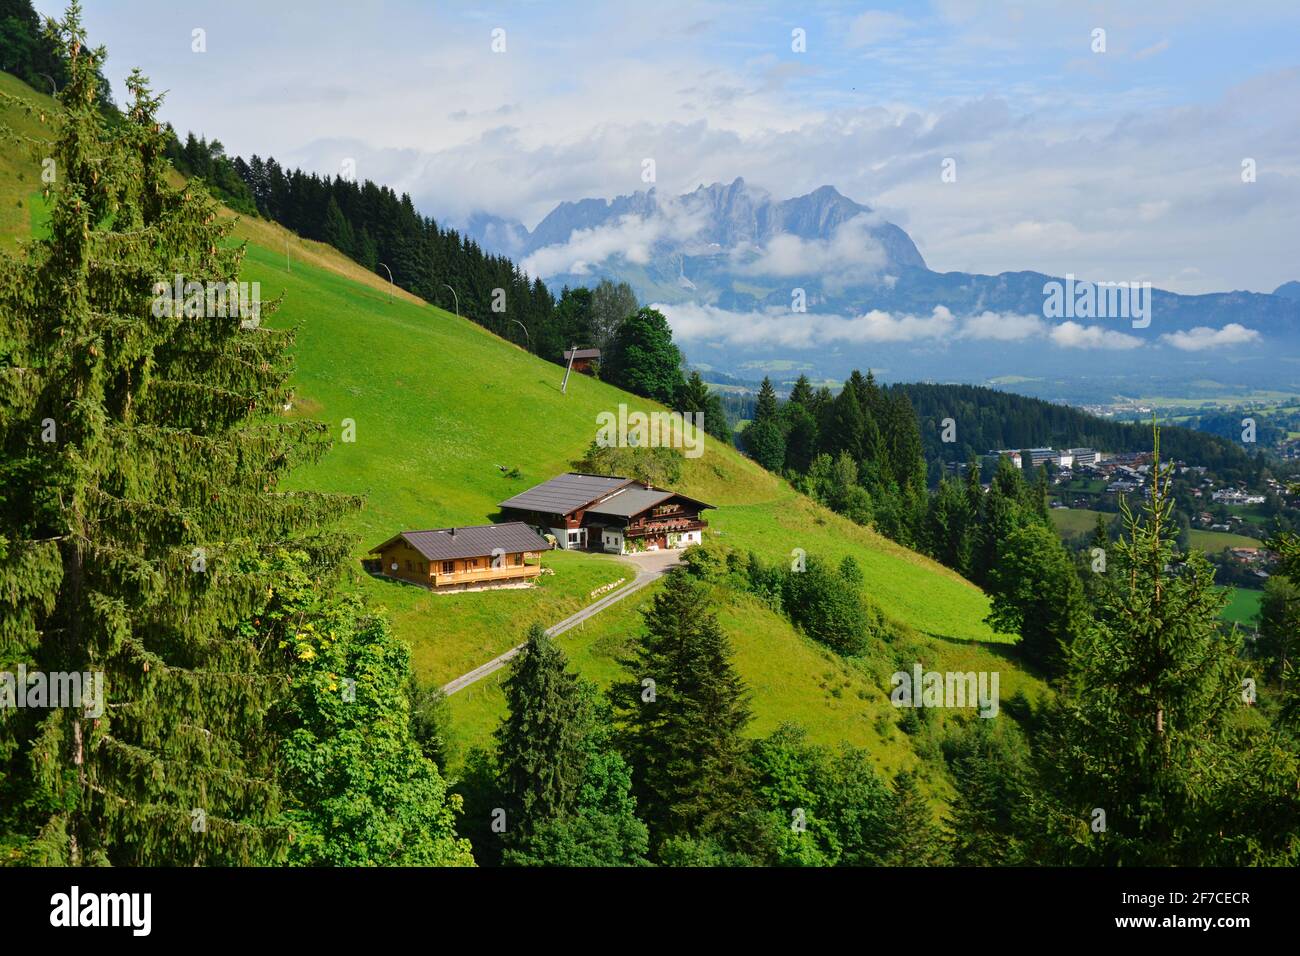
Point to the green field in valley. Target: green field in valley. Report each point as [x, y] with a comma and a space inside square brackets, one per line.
[1243, 606]
[1072, 521]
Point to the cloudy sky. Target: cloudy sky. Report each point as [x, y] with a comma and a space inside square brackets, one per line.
[1123, 164]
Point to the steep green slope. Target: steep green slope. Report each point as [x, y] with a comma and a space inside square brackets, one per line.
[442, 410]
[440, 406]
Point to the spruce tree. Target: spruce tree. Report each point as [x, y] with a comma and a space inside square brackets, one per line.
[1145, 732]
[913, 838]
[683, 713]
[141, 451]
[766, 406]
[540, 739]
[843, 430]
[990, 775]
[802, 393]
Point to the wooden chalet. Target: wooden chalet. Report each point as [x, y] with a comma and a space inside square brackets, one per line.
[584, 360]
[460, 558]
[609, 513]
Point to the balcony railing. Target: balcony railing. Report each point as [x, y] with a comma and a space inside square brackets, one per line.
[439, 579]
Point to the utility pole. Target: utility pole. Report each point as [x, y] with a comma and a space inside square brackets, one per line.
[564, 386]
[390, 281]
[455, 298]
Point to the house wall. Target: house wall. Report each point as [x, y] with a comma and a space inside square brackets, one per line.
[415, 567]
[411, 565]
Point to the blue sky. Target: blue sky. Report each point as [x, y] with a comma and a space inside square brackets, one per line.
[1118, 165]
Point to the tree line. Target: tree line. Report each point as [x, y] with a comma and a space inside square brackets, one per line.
[858, 451]
[985, 419]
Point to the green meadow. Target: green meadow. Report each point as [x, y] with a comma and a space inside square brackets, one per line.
[1243, 606]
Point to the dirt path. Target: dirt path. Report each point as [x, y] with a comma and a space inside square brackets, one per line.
[650, 566]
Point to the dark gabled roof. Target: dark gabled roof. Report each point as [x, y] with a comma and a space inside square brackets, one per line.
[629, 502]
[632, 501]
[565, 493]
[581, 353]
[477, 541]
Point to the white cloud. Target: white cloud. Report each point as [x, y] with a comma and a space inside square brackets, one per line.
[1003, 327]
[1203, 337]
[630, 237]
[850, 256]
[1129, 172]
[1075, 336]
[780, 328]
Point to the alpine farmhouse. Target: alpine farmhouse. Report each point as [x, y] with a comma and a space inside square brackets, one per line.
[459, 559]
[609, 513]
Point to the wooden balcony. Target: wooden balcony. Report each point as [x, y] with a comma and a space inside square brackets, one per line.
[665, 527]
[519, 572]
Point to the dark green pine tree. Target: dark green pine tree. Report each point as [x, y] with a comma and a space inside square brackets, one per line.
[950, 526]
[764, 436]
[800, 429]
[766, 407]
[903, 438]
[990, 777]
[540, 748]
[844, 426]
[802, 393]
[683, 714]
[695, 396]
[766, 444]
[1146, 731]
[913, 837]
[872, 448]
[141, 450]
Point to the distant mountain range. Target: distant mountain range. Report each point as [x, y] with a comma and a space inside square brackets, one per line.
[732, 267]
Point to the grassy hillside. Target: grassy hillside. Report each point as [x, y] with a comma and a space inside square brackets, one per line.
[20, 159]
[442, 409]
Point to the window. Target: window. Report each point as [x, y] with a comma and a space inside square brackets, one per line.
[448, 567]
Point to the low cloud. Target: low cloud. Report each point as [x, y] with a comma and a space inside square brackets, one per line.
[781, 328]
[1203, 337]
[1003, 327]
[1072, 335]
[850, 256]
[631, 238]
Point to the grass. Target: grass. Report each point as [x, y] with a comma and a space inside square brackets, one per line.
[20, 158]
[1243, 606]
[1071, 521]
[439, 404]
[1212, 542]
